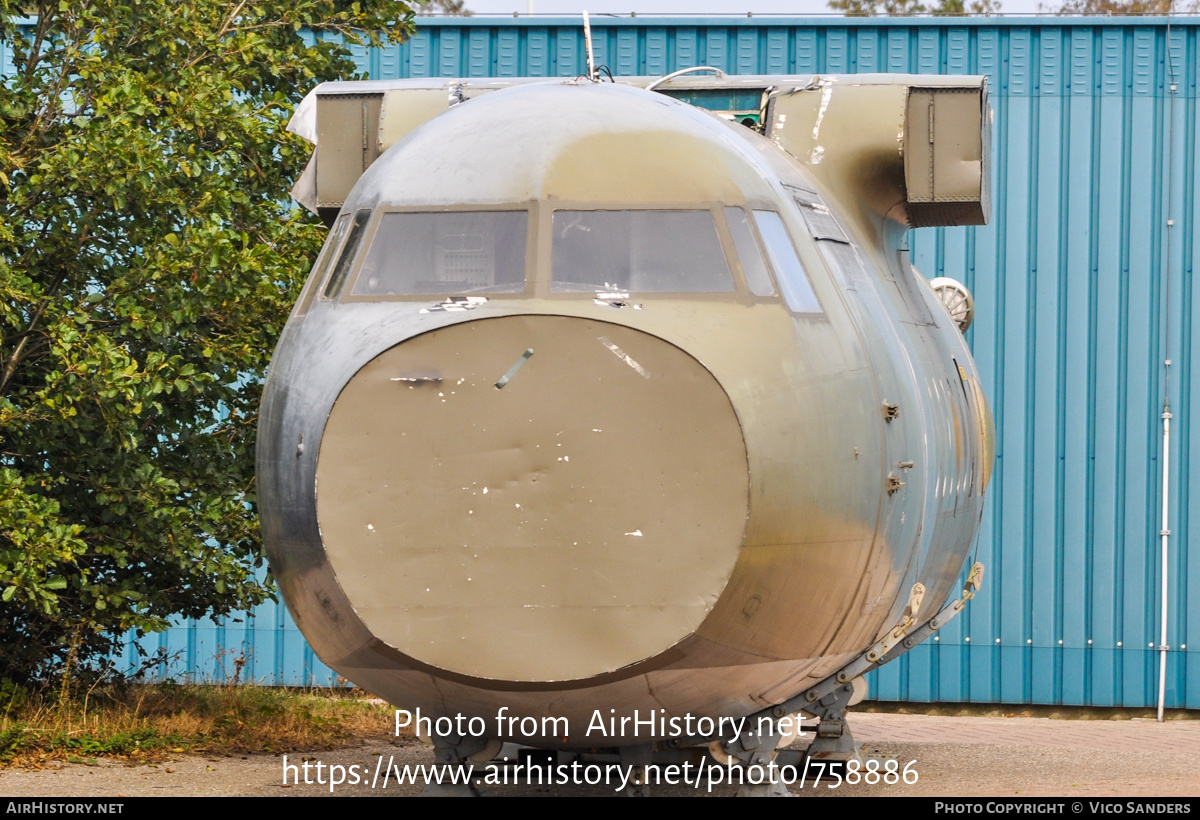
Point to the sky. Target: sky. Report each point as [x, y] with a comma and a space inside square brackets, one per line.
[690, 7]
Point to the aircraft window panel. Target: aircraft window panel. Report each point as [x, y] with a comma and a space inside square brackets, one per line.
[844, 262]
[638, 251]
[793, 279]
[754, 266]
[817, 216]
[324, 259]
[342, 267]
[821, 224]
[451, 252]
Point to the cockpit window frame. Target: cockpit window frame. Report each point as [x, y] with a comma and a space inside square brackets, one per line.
[780, 249]
[360, 224]
[320, 269]
[756, 246]
[740, 293]
[538, 261]
[348, 295]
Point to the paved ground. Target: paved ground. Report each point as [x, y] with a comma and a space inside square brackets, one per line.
[952, 756]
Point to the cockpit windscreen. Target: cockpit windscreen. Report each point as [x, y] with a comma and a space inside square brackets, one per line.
[451, 252]
[638, 251]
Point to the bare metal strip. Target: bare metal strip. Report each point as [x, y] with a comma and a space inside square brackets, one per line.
[512, 371]
[625, 357]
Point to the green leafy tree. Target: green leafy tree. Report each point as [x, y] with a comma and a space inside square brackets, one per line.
[1124, 7]
[149, 254]
[453, 8]
[909, 8]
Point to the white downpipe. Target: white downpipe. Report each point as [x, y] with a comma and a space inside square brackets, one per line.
[1165, 534]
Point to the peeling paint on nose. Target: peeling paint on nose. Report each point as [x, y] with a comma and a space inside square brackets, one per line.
[536, 578]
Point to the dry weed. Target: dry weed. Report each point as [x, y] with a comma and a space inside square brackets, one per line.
[145, 721]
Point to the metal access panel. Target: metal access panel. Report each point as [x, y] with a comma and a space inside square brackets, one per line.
[405, 109]
[945, 156]
[347, 142]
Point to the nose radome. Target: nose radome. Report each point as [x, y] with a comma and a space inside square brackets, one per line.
[532, 498]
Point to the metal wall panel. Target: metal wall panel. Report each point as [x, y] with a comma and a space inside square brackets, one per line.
[6, 60]
[262, 646]
[1082, 290]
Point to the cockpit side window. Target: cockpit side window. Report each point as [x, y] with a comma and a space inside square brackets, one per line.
[448, 253]
[754, 267]
[793, 279]
[639, 251]
[326, 257]
[342, 267]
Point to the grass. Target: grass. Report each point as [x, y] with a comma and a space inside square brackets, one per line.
[145, 722]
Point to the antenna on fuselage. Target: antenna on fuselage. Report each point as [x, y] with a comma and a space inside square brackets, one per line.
[587, 44]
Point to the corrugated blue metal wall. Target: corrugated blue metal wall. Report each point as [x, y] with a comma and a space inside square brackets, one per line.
[263, 646]
[1083, 287]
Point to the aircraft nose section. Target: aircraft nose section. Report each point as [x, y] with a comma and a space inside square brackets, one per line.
[532, 498]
